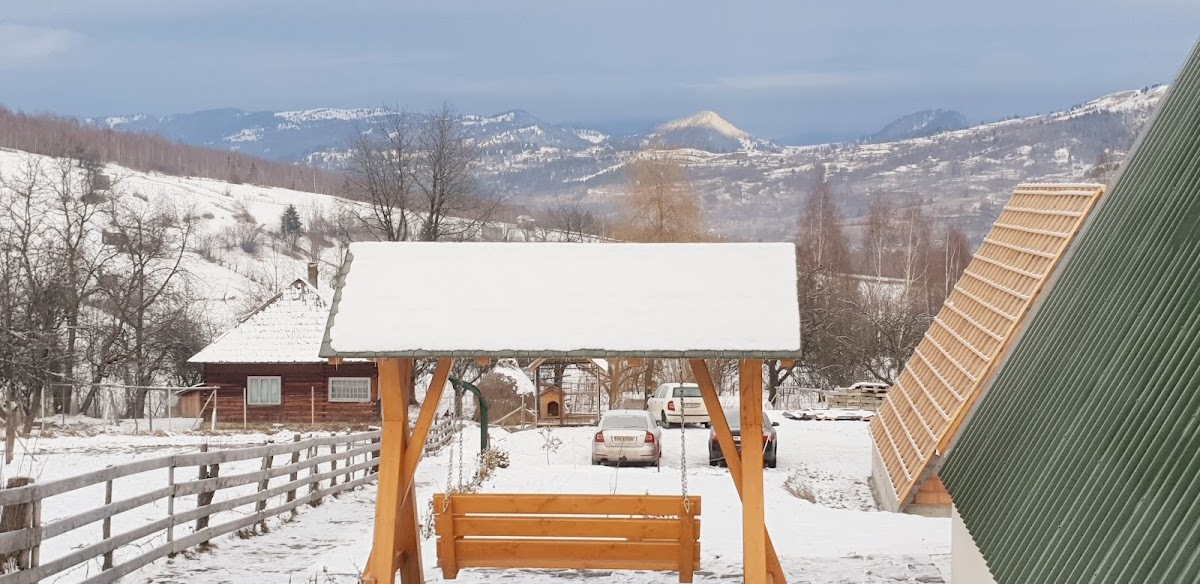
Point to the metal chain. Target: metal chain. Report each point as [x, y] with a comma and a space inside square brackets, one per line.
[461, 458]
[683, 475]
[449, 477]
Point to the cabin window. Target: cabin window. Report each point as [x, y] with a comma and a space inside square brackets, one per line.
[349, 389]
[263, 390]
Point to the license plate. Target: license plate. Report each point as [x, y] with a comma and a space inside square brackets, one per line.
[622, 439]
[691, 406]
[737, 439]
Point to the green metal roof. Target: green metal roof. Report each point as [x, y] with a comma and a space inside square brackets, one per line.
[1082, 461]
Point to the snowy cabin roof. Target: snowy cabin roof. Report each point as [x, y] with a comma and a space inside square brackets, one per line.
[286, 329]
[629, 300]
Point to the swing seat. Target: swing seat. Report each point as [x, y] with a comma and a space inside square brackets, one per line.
[610, 532]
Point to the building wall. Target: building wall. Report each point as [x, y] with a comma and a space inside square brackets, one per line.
[881, 485]
[304, 393]
[966, 561]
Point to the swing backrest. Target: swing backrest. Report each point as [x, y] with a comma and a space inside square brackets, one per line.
[613, 532]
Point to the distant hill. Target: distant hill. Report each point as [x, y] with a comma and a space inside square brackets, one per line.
[752, 188]
[706, 131]
[919, 125]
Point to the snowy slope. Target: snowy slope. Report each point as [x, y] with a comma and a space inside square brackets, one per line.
[231, 282]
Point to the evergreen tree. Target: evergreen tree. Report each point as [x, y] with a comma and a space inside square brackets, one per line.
[290, 226]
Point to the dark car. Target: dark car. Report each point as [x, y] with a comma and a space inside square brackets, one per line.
[770, 440]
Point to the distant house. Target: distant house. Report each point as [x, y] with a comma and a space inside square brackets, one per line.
[267, 370]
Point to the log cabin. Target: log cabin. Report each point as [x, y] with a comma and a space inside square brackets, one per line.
[267, 369]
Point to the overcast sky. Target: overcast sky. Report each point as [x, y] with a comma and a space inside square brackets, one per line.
[776, 69]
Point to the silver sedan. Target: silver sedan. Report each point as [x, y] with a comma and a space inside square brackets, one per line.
[627, 436]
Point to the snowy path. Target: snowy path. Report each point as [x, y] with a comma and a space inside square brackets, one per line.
[834, 541]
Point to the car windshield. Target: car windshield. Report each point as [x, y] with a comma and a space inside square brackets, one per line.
[687, 391]
[624, 422]
[735, 420]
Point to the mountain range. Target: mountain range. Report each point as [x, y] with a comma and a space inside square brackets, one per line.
[752, 188]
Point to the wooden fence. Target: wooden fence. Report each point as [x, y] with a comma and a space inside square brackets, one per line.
[348, 462]
[441, 434]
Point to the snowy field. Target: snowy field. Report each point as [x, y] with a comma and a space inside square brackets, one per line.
[837, 539]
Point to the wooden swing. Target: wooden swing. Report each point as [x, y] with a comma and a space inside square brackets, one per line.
[380, 313]
[609, 531]
[614, 532]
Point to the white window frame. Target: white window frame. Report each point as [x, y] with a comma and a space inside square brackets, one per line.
[276, 378]
[365, 400]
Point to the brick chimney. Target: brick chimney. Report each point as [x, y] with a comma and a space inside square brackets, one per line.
[312, 274]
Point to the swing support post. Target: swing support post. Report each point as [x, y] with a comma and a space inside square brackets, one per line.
[397, 545]
[733, 459]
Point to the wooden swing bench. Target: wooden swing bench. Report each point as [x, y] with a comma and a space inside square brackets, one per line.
[617, 532]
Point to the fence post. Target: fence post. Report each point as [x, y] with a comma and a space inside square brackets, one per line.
[333, 464]
[262, 490]
[314, 486]
[374, 468]
[291, 495]
[171, 508]
[35, 521]
[346, 476]
[205, 497]
[106, 530]
[16, 518]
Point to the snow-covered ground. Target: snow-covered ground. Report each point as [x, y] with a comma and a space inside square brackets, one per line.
[837, 539]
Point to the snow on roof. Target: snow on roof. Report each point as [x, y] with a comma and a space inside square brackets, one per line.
[655, 300]
[287, 329]
[509, 368]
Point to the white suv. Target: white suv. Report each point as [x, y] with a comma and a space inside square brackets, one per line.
[676, 403]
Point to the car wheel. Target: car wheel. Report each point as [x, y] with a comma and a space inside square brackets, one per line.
[665, 423]
[712, 462]
[771, 463]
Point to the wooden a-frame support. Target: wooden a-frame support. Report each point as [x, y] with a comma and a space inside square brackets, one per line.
[397, 541]
[760, 562]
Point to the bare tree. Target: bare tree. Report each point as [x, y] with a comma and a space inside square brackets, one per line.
[881, 218]
[381, 172]
[827, 294]
[77, 186]
[31, 301]
[572, 221]
[660, 205]
[147, 292]
[452, 205]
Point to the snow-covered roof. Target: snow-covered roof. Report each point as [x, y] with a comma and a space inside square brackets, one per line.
[287, 329]
[652, 300]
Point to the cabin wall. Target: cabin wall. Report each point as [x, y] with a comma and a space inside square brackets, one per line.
[966, 561]
[304, 393]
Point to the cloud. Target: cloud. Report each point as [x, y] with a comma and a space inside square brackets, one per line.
[22, 45]
[774, 81]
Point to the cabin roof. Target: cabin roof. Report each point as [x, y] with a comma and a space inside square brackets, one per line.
[1079, 463]
[288, 328]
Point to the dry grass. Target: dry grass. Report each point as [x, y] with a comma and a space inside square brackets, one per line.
[799, 486]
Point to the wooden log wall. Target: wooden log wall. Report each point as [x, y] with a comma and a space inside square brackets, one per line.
[304, 393]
